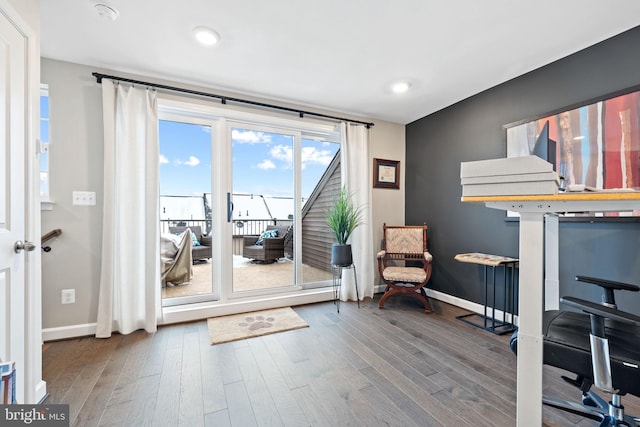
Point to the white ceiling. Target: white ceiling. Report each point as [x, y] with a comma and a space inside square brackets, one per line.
[339, 55]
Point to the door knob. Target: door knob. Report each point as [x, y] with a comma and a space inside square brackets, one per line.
[27, 246]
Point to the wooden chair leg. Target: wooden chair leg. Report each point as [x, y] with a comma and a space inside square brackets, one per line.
[422, 296]
[384, 298]
[418, 293]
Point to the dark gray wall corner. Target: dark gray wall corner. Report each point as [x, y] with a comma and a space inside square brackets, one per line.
[473, 130]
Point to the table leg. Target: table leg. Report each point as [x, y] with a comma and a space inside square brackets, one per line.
[530, 306]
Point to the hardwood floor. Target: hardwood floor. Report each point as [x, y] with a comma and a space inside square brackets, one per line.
[361, 367]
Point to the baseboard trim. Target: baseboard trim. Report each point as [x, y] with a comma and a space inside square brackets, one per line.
[66, 332]
[205, 310]
[469, 305]
[41, 392]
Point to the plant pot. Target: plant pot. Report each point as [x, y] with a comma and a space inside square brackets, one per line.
[341, 255]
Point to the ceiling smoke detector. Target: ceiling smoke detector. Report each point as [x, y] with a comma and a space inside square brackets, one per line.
[106, 11]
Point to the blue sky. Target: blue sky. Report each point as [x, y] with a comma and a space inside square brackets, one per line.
[262, 161]
[44, 137]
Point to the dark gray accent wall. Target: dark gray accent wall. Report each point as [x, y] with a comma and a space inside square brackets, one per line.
[473, 130]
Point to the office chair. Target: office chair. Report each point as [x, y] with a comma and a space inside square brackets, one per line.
[601, 346]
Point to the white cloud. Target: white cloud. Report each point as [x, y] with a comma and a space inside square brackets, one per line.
[250, 137]
[266, 164]
[283, 153]
[313, 155]
[163, 159]
[310, 155]
[193, 161]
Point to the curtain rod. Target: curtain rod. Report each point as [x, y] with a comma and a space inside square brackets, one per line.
[224, 99]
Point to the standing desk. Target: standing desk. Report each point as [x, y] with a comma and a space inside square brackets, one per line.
[533, 210]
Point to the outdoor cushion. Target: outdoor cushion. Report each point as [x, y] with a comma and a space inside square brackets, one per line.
[266, 235]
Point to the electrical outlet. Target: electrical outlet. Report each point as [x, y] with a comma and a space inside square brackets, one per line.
[84, 198]
[68, 296]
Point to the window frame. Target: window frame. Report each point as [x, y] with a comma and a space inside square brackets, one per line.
[43, 149]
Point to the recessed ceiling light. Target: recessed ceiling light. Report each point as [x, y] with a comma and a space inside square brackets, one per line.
[400, 87]
[106, 11]
[206, 36]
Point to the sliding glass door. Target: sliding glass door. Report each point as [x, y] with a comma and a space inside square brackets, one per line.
[185, 197]
[253, 196]
[264, 208]
[283, 183]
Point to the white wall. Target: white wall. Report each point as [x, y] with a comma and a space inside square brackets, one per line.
[388, 142]
[29, 10]
[76, 165]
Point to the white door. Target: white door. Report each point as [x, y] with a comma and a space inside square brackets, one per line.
[12, 200]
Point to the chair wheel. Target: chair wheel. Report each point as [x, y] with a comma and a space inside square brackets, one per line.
[588, 401]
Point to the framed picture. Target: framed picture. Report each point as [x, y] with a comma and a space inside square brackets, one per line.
[597, 144]
[386, 173]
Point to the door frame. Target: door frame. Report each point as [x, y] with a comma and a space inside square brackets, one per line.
[214, 125]
[227, 291]
[34, 387]
[238, 114]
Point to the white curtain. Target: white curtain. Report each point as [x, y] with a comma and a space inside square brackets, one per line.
[129, 296]
[355, 168]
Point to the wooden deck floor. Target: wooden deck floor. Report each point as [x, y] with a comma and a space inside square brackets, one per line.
[362, 367]
[247, 275]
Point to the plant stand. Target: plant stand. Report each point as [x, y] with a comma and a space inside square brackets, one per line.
[337, 283]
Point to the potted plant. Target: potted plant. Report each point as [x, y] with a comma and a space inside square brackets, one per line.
[342, 219]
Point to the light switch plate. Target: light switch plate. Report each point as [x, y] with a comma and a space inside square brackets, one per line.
[84, 198]
[68, 296]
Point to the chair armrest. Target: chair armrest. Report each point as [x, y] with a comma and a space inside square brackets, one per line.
[205, 240]
[428, 257]
[608, 284]
[381, 254]
[601, 310]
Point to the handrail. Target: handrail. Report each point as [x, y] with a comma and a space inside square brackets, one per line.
[50, 235]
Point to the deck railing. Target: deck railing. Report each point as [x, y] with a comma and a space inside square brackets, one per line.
[241, 228]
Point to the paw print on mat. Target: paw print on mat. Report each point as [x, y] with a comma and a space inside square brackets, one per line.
[258, 322]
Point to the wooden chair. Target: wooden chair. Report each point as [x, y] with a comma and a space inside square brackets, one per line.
[403, 245]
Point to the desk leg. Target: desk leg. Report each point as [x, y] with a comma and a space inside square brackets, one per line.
[529, 373]
[552, 269]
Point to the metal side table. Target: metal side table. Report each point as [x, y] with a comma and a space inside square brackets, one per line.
[489, 321]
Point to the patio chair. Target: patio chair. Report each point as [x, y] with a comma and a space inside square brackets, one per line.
[175, 259]
[270, 249]
[203, 249]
